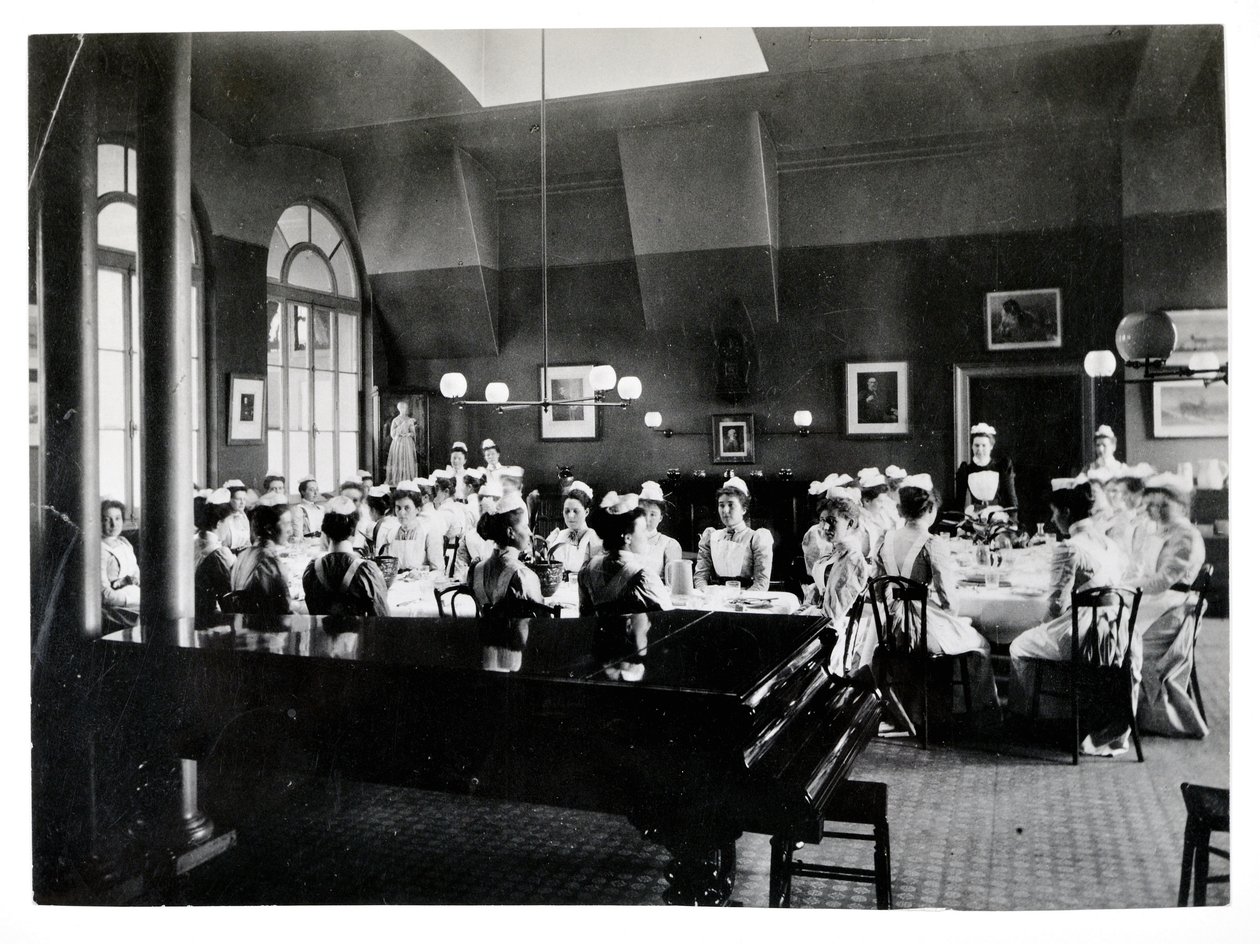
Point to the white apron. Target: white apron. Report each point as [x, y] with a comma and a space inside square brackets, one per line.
[946, 634]
[729, 557]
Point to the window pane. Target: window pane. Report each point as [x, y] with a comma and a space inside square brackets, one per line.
[109, 168]
[348, 401]
[275, 397]
[275, 334]
[299, 460]
[348, 342]
[299, 400]
[293, 224]
[134, 504]
[324, 400]
[194, 320]
[113, 412]
[322, 338]
[299, 331]
[131, 171]
[198, 466]
[194, 390]
[325, 470]
[194, 252]
[109, 309]
[113, 464]
[137, 387]
[308, 270]
[348, 452]
[323, 233]
[275, 255]
[343, 269]
[275, 452]
[116, 227]
[134, 307]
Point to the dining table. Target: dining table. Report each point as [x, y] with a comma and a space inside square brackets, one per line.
[1006, 596]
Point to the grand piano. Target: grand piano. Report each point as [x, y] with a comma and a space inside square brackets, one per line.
[696, 726]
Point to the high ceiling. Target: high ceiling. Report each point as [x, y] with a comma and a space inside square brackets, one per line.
[826, 89]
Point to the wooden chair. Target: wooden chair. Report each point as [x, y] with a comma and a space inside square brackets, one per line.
[1207, 811]
[450, 593]
[239, 601]
[1199, 591]
[850, 629]
[450, 547]
[1097, 644]
[854, 801]
[906, 638]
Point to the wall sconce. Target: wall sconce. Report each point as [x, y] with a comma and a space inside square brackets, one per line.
[653, 420]
[803, 420]
[1145, 340]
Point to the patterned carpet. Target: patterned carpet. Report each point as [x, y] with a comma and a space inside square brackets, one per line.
[977, 828]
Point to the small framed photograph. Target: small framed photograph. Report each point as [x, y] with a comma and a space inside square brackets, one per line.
[567, 421]
[1186, 409]
[247, 408]
[1031, 318]
[877, 395]
[734, 438]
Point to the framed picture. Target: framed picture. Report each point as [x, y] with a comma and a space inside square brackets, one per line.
[1018, 320]
[576, 421]
[877, 395]
[1186, 409]
[247, 408]
[1200, 330]
[734, 438]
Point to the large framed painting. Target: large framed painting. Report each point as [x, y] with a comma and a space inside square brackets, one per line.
[573, 421]
[877, 398]
[247, 408]
[1186, 409]
[734, 438]
[1015, 321]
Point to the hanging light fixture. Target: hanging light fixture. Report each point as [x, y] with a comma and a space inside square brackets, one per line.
[1145, 340]
[603, 377]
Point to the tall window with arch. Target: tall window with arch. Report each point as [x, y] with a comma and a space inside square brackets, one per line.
[313, 358]
[118, 318]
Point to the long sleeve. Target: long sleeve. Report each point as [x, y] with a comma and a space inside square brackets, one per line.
[1063, 568]
[648, 593]
[111, 571]
[704, 560]
[1006, 486]
[672, 550]
[434, 555]
[762, 559]
[1179, 561]
[373, 582]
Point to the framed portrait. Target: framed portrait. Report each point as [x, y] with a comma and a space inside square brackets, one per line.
[1186, 409]
[1015, 321]
[1200, 330]
[734, 438]
[573, 421]
[247, 409]
[877, 398]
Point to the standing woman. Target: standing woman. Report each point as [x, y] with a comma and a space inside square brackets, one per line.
[571, 545]
[736, 551]
[659, 548]
[212, 562]
[1105, 453]
[458, 467]
[502, 583]
[615, 581]
[258, 570]
[416, 545]
[400, 466]
[120, 574]
[983, 439]
[234, 528]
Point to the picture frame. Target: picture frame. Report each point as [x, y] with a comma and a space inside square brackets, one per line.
[569, 423]
[877, 398]
[1025, 319]
[1189, 409]
[247, 409]
[734, 439]
[1200, 330]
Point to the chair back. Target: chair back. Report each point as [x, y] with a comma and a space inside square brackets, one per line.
[241, 601]
[1197, 593]
[1101, 634]
[450, 547]
[850, 629]
[449, 594]
[900, 608]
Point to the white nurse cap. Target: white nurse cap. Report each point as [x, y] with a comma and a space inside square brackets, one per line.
[921, 480]
[736, 483]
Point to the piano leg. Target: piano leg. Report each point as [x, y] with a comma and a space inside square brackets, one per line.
[700, 876]
[780, 872]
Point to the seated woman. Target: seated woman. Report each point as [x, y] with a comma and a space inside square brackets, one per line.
[736, 551]
[416, 545]
[449, 509]
[234, 528]
[814, 547]
[472, 546]
[342, 582]
[259, 573]
[571, 544]
[1130, 526]
[212, 562]
[502, 583]
[878, 514]
[1087, 559]
[120, 574]
[840, 576]
[912, 551]
[661, 548]
[615, 582]
[983, 440]
[380, 506]
[1163, 651]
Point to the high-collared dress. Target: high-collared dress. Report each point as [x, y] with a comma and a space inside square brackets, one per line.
[260, 572]
[212, 571]
[233, 531]
[740, 553]
[840, 577]
[661, 549]
[570, 546]
[620, 584]
[120, 604]
[502, 583]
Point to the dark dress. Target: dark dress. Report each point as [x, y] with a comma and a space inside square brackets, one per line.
[1006, 483]
[333, 589]
[211, 580]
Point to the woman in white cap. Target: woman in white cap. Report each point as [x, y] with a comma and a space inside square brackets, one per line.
[234, 528]
[458, 466]
[571, 544]
[472, 546]
[661, 548]
[341, 582]
[615, 581]
[983, 440]
[814, 546]
[1130, 526]
[400, 466]
[1164, 652]
[735, 551]
[502, 582]
[879, 516]
[416, 545]
[840, 576]
[490, 456]
[212, 562]
[259, 572]
[1105, 452]
[384, 525]
[120, 573]
[449, 509]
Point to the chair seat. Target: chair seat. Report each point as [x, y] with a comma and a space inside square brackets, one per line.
[1209, 805]
[858, 801]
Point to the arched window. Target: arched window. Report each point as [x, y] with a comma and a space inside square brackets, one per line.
[313, 359]
[118, 317]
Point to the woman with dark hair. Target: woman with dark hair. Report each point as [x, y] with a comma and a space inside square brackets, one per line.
[234, 527]
[735, 551]
[342, 582]
[458, 469]
[258, 570]
[120, 574]
[660, 548]
[472, 546]
[571, 545]
[840, 576]
[450, 511]
[212, 562]
[417, 544]
[879, 515]
[615, 582]
[383, 527]
[502, 583]
[983, 441]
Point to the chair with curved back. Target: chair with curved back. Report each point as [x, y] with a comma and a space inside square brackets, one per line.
[906, 638]
[449, 594]
[450, 548]
[1199, 589]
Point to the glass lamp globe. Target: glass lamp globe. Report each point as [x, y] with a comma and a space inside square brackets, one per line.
[629, 388]
[803, 418]
[652, 420]
[603, 378]
[453, 385]
[1146, 336]
[1100, 363]
[496, 392]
